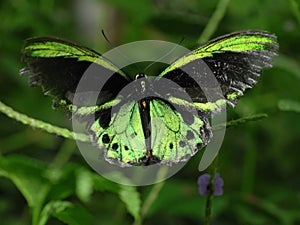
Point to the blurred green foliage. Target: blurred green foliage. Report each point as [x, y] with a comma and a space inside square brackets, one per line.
[44, 179]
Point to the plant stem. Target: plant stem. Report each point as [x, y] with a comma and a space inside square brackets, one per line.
[295, 9]
[64, 154]
[152, 195]
[239, 121]
[214, 21]
[41, 125]
[210, 194]
[208, 209]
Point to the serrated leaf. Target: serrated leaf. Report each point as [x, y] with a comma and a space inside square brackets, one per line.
[131, 197]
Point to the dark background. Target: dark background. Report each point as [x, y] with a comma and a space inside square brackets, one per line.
[259, 161]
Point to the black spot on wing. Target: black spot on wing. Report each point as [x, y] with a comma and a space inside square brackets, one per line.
[105, 139]
[182, 143]
[115, 146]
[190, 135]
[171, 146]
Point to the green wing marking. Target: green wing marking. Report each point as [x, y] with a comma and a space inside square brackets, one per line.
[236, 60]
[246, 41]
[51, 47]
[173, 139]
[205, 107]
[85, 113]
[123, 140]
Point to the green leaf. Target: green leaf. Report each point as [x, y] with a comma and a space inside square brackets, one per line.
[63, 181]
[74, 215]
[102, 184]
[289, 105]
[84, 184]
[65, 212]
[295, 9]
[128, 194]
[51, 208]
[131, 197]
[27, 175]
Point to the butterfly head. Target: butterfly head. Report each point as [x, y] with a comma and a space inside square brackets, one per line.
[140, 75]
[143, 82]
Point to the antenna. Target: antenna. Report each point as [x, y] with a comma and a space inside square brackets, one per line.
[105, 37]
[121, 53]
[168, 53]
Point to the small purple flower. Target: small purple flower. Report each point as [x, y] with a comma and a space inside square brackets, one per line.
[204, 180]
[218, 184]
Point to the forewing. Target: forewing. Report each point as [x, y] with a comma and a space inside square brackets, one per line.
[236, 60]
[58, 65]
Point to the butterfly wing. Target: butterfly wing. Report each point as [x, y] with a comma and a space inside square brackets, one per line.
[122, 138]
[236, 60]
[176, 136]
[58, 66]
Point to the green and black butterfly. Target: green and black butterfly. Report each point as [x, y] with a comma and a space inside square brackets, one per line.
[125, 127]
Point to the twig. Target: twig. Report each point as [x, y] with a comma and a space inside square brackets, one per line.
[295, 9]
[152, 195]
[42, 125]
[210, 194]
[243, 120]
[214, 21]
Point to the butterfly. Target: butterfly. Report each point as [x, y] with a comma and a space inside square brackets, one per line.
[148, 125]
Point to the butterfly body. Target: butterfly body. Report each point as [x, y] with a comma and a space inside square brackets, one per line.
[149, 120]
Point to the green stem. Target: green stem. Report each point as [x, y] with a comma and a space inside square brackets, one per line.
[64, 154]
[41, 125]
[214, 21]
[295, 9]
[240, 121]
[208, 207]
[210, 194]
[152, 195]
